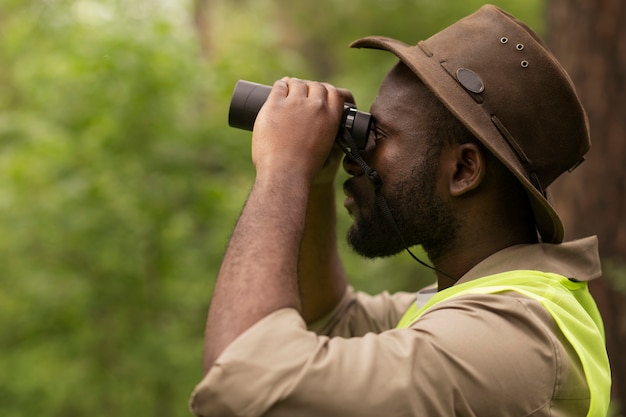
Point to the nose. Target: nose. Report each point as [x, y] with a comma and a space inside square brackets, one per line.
[351, 166]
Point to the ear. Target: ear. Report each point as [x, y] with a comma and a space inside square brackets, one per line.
[469, 168]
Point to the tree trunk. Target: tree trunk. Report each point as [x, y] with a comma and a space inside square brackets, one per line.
[589, 38]
[201, 20]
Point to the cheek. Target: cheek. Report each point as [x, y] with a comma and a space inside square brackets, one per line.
[388, 159]
[395, 173]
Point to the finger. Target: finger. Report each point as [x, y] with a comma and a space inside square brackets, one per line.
[344, 96]
[318, 91]
[334, 97]
[297, 87]
[280, 88]
[347, 95]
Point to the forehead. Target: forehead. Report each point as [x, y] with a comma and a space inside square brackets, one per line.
[402, 98]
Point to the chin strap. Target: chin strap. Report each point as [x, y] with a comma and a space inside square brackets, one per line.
[347, 144]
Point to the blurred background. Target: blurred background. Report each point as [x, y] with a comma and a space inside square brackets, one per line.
[120, 181]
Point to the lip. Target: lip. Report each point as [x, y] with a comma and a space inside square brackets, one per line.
[349, 203]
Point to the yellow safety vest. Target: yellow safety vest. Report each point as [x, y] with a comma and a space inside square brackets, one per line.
[571, 306]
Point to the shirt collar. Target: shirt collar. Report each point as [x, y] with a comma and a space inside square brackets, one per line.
[578, 260]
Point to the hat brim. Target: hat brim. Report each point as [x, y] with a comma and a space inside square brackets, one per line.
[454, 97]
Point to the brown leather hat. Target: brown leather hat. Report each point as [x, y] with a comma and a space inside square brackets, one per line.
[499, 79]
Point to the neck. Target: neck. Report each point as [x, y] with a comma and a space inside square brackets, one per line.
[464, 253]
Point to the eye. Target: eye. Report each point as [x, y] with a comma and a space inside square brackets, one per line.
[373, 137]
[378, 134]
[374, 132]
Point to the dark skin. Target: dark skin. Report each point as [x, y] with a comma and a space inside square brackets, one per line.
[283, 252]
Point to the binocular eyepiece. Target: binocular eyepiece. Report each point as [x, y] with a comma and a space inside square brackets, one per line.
[249, 97]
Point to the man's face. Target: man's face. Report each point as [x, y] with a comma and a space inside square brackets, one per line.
[401, 152]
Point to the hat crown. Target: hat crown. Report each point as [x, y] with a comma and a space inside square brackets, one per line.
[525, 91]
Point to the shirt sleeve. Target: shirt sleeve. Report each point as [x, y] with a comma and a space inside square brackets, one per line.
[473, 355]
[359, 313]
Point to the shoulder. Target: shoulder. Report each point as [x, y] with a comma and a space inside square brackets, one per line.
[502, 344]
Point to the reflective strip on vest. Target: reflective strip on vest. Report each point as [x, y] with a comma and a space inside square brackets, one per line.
[572, 308]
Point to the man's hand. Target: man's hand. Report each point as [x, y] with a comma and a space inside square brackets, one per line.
[295, 131]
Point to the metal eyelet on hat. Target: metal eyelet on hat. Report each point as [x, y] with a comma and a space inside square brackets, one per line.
[519, 46]
[524, 64]
[504, 39]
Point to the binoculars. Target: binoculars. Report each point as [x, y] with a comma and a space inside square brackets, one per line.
[249, 97]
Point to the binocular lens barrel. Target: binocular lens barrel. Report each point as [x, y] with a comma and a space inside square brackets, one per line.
[247, 100]
[249, 97]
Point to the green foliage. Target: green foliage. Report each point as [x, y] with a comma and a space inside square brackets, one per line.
[120, 181]
[110, 199]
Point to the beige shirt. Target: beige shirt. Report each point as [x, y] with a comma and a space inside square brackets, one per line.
[473, 355]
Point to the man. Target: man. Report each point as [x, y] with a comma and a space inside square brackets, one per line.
[471, 126]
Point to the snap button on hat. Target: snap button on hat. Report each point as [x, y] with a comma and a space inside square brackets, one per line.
[470, 80]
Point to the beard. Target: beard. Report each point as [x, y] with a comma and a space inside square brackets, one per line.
[421, 216]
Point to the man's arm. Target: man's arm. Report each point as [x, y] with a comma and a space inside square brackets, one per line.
[292, 138]
[321, 275]
[434, 369]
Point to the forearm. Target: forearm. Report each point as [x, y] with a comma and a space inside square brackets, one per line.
[259, 271]
[321, 275]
